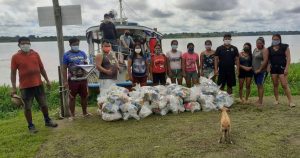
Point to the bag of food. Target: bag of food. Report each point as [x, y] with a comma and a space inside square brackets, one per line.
[111, 116]
[145, 110]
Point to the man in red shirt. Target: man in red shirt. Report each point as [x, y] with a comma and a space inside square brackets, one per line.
[30, 68]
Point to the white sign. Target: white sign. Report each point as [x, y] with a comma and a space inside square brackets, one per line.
[71, 15]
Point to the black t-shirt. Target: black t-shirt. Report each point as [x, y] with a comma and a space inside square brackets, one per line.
[226, 57]
[109, 31]
[278, 58]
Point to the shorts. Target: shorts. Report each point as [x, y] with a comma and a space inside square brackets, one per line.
[176, 74]
[28, 94]
[78, 87]
[259, 78]
[207, 72]
[159, 78]
[140, 80]
[277, 69]
[227, 78]
[191, 75]
[245, 74]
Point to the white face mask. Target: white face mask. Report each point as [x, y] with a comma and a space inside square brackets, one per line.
[227, 42]
[207, 46]
[75, 48]
[25, 48]
[138, 51]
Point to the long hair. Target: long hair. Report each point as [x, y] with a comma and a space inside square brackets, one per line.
[250, 53]
[277, 35]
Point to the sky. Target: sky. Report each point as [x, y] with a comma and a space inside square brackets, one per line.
[169, 16]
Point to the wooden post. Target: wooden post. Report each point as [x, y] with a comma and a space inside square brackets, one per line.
[60, 41]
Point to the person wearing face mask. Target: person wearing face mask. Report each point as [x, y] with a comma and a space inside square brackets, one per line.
[280, 59]
[246, 72]
[30, 68]
[109, 32]
[207, 60]
[138, 67]
[174, 63]
[191, 66]
[226, 57]
[107, 65]
[126, 42]
[259, 66]
[71, 72]
[158, 67]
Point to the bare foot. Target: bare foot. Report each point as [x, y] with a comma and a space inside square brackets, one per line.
[292, 105]
[276, 102]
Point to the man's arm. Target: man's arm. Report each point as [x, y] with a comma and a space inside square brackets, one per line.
[201, 63]
[237, 63]
[265, 60]
[13, 75]
[99, 60]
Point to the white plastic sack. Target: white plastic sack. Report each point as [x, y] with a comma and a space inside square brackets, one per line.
[111, 116]
[223, 99]
[145, 111]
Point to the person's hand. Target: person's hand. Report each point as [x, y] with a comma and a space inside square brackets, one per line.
[286, 71]
[249, 68]
[130, 78]
[257, 71]
[216, 72]
[109, 72]
[48, 84]
[13, 91]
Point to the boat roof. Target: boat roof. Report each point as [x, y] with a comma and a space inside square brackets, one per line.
[129, 26]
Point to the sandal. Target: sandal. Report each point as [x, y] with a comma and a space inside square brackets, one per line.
[292, 105]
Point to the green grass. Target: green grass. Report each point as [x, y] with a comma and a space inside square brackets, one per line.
[269, 132]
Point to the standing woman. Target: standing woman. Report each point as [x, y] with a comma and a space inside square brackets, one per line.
[138, 66]
[207, 59]
[259, 66]
[158, 66]
[246, 72]
[174, 63]
[280, 59]
[190, 66]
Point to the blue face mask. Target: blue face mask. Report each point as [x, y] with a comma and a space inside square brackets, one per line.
[275, 42]
[75, 48]
[191, 50]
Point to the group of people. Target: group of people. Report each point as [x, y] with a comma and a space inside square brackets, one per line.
[222, 65]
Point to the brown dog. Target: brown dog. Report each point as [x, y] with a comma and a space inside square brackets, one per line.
[225, 126]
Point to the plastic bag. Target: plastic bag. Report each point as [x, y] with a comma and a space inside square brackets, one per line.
[207, 103]
[176, 104]
[195, 106]
[208, 87]
[111, 116]
[129, 111]
[110, 108]
[223, 99]
[145, 111]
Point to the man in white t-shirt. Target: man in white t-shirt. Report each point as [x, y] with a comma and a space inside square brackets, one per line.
[174, 63]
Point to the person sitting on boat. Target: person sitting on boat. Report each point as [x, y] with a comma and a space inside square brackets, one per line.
[72, 80]
[126, 42]
[109, 32]
[138, 66]
[107, 65]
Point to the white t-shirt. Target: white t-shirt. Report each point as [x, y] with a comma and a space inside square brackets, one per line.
[175, 60]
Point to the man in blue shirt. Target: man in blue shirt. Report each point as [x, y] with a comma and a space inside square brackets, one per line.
[72, 80]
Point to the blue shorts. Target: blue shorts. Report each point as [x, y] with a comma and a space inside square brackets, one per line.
[259, 78]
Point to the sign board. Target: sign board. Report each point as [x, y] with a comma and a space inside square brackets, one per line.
[71, 15]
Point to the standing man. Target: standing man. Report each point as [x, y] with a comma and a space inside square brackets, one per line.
[109, 31]
[71, 59]
[126, 42]
[108, 66]
[226, 57]
[30, 68]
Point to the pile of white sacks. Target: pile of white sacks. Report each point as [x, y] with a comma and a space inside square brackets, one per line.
[119, 103]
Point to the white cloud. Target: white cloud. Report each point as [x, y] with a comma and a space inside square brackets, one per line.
[20, 17]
